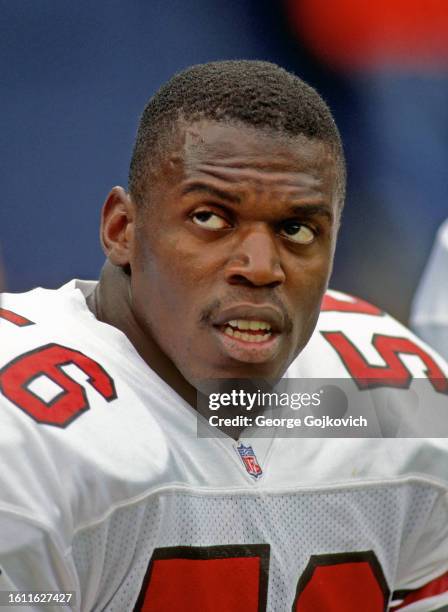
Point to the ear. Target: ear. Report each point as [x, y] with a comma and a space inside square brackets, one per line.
[118, 219]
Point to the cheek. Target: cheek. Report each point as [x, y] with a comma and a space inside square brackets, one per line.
[309, 281]
[170, 277]
[309, 277]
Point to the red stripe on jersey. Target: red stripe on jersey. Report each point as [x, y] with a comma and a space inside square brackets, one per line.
[332, 304]
[431, 589]
[14, 318]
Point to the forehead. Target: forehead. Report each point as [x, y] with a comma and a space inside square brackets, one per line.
[246, 151]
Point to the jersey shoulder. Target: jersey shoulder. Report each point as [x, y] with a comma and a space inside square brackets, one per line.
[69, 409]
[387, 365]
[353, 332]
[354, 338]
[39, 313]
[429, 314]
[431, 300]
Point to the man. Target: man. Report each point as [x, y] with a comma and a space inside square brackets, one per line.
[218, 258]
[430, 308]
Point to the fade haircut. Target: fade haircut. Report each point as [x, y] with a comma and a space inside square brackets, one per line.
[255, 93]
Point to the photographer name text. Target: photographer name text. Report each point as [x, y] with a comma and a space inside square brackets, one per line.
[289, 423]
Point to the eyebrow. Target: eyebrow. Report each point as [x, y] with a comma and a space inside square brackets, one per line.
[210, 190]
[310, 210]
[304, 210]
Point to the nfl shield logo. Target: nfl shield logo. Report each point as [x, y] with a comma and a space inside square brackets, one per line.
[249, 459]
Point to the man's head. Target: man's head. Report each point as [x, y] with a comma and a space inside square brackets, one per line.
[229, 228]
[255, 93]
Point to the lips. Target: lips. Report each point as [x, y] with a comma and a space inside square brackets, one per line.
[250, 333]
[252, 312]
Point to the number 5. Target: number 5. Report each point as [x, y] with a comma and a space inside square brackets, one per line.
[235, 579]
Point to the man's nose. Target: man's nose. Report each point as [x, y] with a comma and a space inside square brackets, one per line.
[255, 260]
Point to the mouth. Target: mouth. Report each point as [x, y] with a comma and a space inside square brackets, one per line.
[247, 330]
[250, 333]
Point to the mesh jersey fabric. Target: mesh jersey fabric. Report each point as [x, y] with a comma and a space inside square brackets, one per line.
[128, 477]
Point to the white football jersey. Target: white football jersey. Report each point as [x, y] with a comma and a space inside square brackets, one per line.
[107, 491]
[430, 308]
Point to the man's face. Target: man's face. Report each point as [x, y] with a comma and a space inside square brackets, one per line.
[233, 254]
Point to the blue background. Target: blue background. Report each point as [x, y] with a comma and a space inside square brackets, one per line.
[76, 76]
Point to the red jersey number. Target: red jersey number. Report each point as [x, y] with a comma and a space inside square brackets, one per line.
[346, 582]
[235, 578]
[393, 373]
[14, 318]
[330, 303]
[67, 399]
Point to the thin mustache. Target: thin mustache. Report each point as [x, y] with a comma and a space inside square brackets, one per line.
[208, 314]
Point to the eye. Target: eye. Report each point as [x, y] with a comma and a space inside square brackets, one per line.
[297, 232]
[209, 220]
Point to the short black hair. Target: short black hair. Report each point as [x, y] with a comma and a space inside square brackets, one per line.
[256, 93]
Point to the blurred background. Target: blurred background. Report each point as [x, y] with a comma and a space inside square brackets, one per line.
[75, 78]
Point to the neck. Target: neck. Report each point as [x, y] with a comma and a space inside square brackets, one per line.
[112, 303]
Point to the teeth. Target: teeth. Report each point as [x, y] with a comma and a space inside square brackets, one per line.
[233, 333]
[260, 338]
[245, 324]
